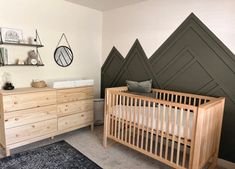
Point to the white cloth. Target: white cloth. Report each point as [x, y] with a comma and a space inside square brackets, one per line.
[172, 121]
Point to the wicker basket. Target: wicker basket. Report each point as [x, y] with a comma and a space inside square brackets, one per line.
[39, 84]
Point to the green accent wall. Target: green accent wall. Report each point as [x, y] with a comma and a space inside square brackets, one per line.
[191, 60]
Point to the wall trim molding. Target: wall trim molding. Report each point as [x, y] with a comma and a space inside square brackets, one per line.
[225, 164]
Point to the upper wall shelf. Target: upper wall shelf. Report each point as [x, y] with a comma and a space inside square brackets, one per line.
[22, 44]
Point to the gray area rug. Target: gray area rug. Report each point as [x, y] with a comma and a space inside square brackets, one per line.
[59, 155]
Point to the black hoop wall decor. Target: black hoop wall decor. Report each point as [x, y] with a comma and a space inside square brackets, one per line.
[63, 55]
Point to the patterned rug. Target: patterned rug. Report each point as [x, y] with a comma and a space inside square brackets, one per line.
[59, 155]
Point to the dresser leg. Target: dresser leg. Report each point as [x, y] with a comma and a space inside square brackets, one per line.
[52, 137]
[92, 127]
[8, 152]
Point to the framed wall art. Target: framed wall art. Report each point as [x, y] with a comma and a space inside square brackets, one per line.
[11, 35]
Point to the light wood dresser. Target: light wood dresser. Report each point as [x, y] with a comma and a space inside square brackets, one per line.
[31, 114]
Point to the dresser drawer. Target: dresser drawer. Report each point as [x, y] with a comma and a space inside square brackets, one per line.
[28, 100]
[74, 121]
[75, 107]
[17, 134]
[22, 117]
[74, 94]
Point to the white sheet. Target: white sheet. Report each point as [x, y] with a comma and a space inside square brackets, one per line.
[127, 112]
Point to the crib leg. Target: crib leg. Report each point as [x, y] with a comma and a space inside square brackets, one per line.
[105, 140]
[105, 135]
[92, 127]
[214, 163]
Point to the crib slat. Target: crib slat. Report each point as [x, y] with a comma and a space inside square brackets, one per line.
[174, 133]
[176, 98]
[167, 130]
[162, 129]
[172, 96]
[134, 120]
[157, 127]
[143, 116]
[122, 117]
[112, 112]
[116, 109]
[138, 129]
[147, 125]
[131, 111]
[179, 137]
[152, 120]
[126, 117]
[194, 101]
[119, 115]
[193, 137]
[186, 130]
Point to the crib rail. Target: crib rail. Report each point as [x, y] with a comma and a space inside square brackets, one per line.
[183, 98]
[157, 128]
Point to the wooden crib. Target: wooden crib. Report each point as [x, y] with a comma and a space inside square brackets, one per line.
[179, 129]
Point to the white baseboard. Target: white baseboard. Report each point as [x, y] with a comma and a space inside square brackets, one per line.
[226, 164]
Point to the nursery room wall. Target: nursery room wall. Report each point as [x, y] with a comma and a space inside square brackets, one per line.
[153, 21]
[81, 25]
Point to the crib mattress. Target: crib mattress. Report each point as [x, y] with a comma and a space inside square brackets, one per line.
[173, 121]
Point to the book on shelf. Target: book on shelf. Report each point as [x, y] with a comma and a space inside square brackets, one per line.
[3, 56]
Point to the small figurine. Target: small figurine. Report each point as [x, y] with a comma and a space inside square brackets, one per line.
[33, 57]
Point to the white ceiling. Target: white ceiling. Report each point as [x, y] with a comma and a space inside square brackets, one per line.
[103, 5]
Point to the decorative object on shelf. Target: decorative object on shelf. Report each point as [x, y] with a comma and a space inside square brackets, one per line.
[3, 56]
[63, 55]
[11, 35]
[32, 58]
[7, 80]
[20, 62]
[31, 40]
[38, 84]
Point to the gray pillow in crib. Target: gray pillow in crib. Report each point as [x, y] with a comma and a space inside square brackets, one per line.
[139, 87]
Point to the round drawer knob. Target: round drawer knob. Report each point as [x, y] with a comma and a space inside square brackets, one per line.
[33, 126]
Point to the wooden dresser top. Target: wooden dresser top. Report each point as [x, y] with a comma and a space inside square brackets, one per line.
[25, 90]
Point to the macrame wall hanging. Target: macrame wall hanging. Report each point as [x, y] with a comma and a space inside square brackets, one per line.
[63, 55]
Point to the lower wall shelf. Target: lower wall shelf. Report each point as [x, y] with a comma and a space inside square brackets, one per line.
[22, 65]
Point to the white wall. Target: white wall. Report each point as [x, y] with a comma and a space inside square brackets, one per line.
[82, 26]
[153, 21]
